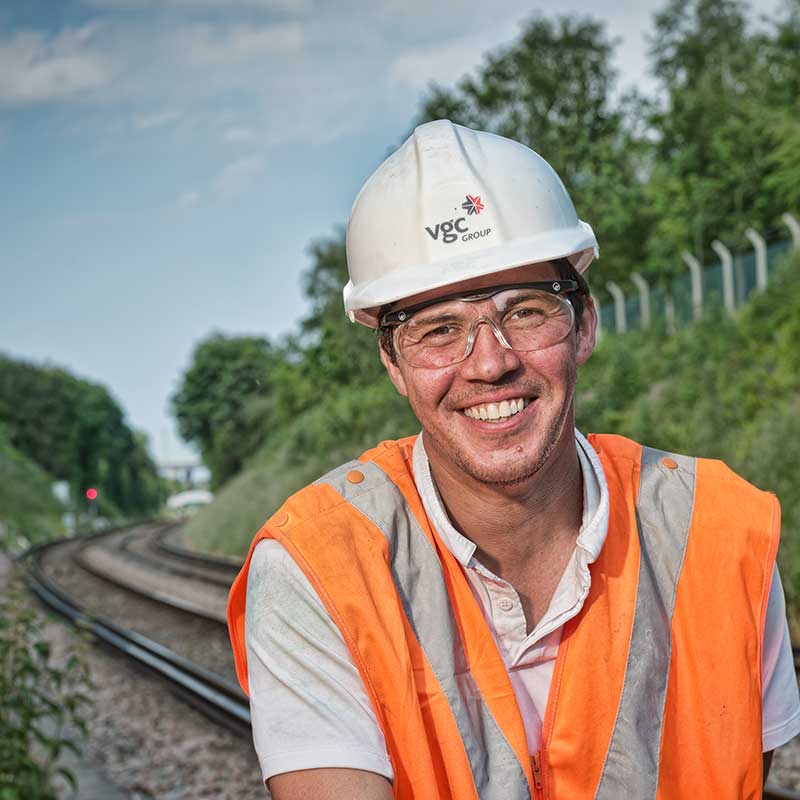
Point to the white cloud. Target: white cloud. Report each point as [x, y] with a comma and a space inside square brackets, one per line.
[446, 62]
[206, 44]
[36, 67]
[203, 5]
[155, 119]
[188, 199]
[256, 5]
[237, 175]
[236, 134]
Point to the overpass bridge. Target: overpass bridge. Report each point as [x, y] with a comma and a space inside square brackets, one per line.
[190, 473]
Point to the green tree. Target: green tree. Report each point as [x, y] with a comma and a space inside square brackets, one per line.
[783, 180]
[779, 57]
[74, 430]
[224, 400]
[779, 63]
[38, 405]
[724, 156]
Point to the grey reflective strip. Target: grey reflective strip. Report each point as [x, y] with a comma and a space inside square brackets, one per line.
[336, 475]
[420, 583]
[663, 516]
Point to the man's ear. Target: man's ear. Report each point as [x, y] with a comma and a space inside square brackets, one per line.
[587, 332]
[394, 372]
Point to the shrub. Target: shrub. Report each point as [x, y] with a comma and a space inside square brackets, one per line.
[41, 701]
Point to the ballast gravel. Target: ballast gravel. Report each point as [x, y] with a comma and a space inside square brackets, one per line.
[156, 746]
[150, 744]
[785, 771]
[144, 742]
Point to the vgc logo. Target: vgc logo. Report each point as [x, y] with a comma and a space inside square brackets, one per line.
[451, 229]
[447, 228]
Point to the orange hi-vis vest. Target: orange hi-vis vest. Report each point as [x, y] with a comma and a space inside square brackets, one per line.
[656, 690]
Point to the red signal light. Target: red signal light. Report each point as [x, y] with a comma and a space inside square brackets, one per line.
[91, 494]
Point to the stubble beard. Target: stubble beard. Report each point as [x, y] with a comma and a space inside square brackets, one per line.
[553, 434]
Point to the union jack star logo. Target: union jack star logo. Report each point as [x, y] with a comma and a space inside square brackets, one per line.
[473, 204]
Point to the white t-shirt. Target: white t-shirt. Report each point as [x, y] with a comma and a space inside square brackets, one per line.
[308, 704]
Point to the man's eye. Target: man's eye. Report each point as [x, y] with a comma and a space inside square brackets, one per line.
[441, 332]
[436, 335]
[527, 313]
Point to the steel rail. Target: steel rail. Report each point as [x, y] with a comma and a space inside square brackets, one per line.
[217, 698]
[148, 557]
[207, 559]
[164, 598]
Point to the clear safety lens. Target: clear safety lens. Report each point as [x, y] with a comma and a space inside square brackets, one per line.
[521, 319]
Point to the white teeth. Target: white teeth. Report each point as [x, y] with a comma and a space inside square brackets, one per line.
[495, 411]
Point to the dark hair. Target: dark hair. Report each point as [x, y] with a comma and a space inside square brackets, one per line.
[565, 271]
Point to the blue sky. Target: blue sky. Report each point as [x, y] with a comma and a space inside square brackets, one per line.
[165, 164]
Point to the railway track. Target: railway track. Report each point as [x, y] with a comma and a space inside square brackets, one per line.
[154, 549]
[164, 543]
[132, 561]
[218, 696]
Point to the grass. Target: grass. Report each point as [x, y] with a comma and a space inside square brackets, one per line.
[28, 510]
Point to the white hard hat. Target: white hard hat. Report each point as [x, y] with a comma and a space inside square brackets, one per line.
[451, 204]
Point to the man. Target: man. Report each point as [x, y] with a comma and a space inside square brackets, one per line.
[500, 608]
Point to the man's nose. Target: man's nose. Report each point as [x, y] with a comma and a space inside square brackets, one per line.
[490, 357]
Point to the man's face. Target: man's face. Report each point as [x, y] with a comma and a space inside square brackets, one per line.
[447, 400]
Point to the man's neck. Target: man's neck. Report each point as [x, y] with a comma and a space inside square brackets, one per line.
[514, 525]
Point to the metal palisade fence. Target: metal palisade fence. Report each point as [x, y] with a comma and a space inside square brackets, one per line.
[726, 284]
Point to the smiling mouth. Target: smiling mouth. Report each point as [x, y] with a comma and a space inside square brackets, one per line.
[495, 412]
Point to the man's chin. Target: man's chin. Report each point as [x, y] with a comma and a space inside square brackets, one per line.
[513, 464]
[502, 476]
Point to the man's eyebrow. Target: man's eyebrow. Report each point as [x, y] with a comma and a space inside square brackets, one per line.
[517, 296]
[441, 317]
